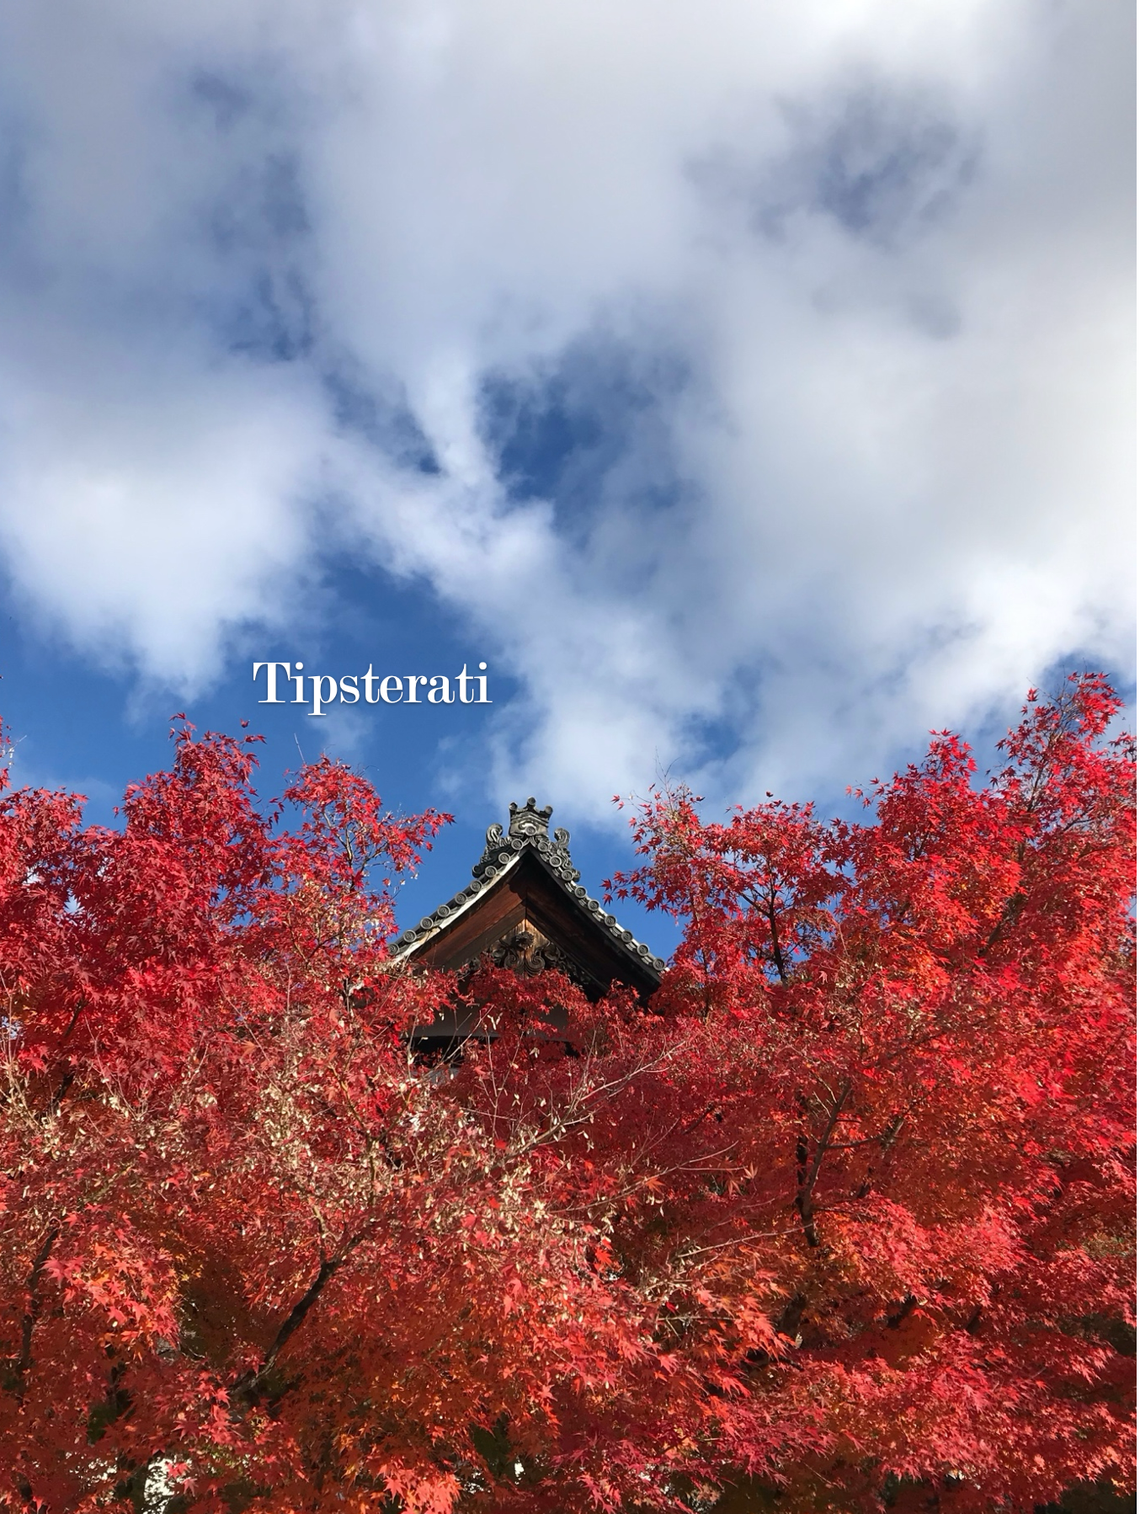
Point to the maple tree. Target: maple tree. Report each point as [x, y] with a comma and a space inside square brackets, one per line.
[842, 1220]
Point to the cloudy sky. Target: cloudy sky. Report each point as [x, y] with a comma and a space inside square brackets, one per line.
[746, 382]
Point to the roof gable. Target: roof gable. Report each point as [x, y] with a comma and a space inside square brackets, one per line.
[525, 879]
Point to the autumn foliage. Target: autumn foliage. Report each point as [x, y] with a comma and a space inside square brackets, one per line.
[841, 1221]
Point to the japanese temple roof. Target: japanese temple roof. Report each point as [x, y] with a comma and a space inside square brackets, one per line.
[526, 843]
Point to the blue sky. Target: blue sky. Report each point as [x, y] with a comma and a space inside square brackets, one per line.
[749, 386]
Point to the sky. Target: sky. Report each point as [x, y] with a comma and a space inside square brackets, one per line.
[748, 385]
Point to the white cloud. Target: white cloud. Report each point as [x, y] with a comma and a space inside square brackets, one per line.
[149, 523]
[839, 297]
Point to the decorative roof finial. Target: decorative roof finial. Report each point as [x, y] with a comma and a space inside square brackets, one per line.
[529, 826]
[530, 820]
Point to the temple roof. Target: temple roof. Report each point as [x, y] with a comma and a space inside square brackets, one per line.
[528, 857]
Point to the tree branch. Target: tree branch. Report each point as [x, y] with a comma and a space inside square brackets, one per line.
[809, 1177]
[250, 1385]
[15, 1381]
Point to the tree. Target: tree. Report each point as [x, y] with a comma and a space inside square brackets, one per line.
[842, 1220]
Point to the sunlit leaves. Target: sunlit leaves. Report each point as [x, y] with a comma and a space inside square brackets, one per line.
[842, 1217]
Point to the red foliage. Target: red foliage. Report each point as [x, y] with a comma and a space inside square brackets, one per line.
[844, 1222]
